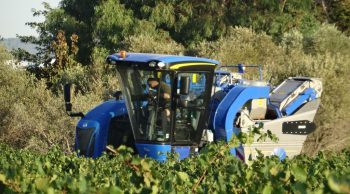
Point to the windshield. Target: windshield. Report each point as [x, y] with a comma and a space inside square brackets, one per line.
[148, 98]
[160, 107]
[190, 107]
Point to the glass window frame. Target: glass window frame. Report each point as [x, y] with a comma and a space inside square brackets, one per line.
[202, 123]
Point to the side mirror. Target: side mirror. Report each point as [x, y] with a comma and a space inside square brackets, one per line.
[68, 104]
[184, 85]
[66, 93]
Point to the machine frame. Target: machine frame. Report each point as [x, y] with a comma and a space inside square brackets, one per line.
[207, 113]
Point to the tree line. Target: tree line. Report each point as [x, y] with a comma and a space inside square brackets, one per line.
[108, 24]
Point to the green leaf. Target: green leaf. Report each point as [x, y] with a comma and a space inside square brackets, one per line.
[183, 176]
[274, 170]
[2, 178]
[155, 189]
[50, 191]
[339, 185]
[287, 176]
[146, 166]
[267, 189]
[299, 173]
[115, 190]
[82, 185]
[42, 184]
[299, 188]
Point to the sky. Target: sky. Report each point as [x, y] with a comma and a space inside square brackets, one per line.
[15, 13]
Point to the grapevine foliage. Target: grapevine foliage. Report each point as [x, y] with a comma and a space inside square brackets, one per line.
[214, 170]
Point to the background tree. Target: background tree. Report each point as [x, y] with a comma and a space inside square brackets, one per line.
[193, 21]
[72, 18]
[107, 24]
[339, 13]
[82, 12]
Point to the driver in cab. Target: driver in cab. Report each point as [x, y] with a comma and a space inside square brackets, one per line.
[164, 100]
[165, 90]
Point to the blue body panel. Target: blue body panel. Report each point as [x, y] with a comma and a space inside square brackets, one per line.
[99, 119]
[229, 107]
[275, 108]
[145, 58]
[155, 151]
[214, 103]
[159, 152]
[308, 95]
[183, 151]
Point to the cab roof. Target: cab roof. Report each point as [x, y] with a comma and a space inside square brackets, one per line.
[167, 59]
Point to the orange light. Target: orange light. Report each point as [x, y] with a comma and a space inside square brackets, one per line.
[122, 54]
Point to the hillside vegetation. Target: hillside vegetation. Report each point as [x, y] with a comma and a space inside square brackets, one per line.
[289, 38]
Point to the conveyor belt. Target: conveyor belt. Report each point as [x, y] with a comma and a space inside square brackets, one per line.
[279, 97]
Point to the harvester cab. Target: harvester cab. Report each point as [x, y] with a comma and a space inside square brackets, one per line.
[165, 100]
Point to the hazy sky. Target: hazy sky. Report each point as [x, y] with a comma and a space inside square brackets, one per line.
[15, 13]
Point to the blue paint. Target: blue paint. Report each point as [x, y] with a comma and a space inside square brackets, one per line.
[155, 151]
[231, 105]
[221, 111]
[183, 151]
[213, 105]
[219, 74]
[99, 119]
[228, 108]
[275, 108]
[240, 152]
[146, 58]
[233, 151]
[280, 153]
[240, 68]
[308, 95]
[159, 152]
[87, 124]
[245, 94]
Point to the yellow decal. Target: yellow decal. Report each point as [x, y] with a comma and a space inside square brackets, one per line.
[260, 102]
[194, 78]
[177, 66]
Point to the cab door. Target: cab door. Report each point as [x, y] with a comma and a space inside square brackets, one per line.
[190, 111]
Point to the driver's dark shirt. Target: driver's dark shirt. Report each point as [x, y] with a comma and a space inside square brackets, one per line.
[163, 88]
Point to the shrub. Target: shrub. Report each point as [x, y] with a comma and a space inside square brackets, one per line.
[32, 117]
[147, 43]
